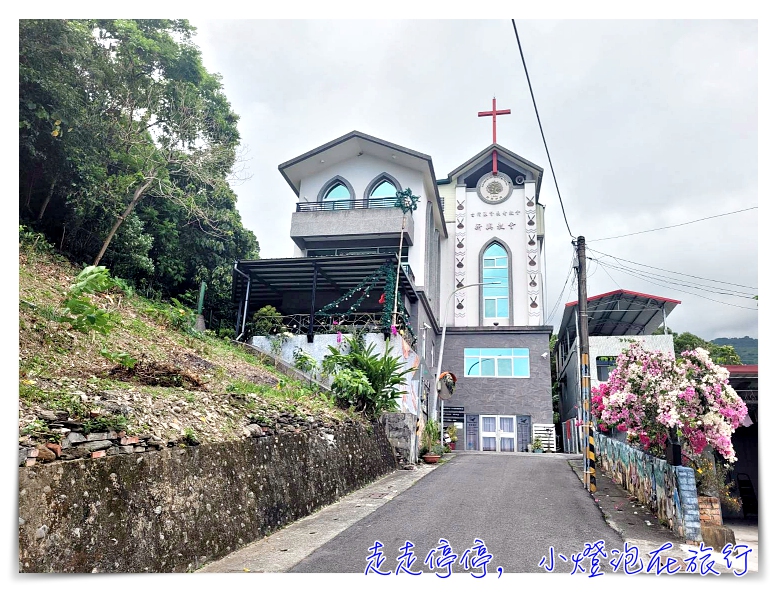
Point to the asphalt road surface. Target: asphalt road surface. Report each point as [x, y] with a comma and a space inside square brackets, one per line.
[518, 505]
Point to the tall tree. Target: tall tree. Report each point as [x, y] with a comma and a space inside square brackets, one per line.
[127, 146]
[163, 114]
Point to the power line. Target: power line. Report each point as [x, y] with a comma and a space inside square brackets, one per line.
[673, 225]
[619, 259]
[525, 69]
[561, 295]
[678, 289]
[676, 282]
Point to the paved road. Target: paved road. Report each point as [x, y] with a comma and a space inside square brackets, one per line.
[518, 504]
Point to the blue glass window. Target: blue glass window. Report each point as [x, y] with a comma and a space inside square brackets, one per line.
[496, 298]
[338, 191]
[497, 362]
[384, 189]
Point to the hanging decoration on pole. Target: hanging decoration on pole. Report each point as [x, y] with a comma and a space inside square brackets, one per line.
[407, 202]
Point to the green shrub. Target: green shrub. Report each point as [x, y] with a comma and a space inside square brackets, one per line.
[430, 437]
[122, 358]
[190, 437]
[33, 242]
[79, 311]
[363, 379]
[304, 362]
[266, 321]
[104, 423]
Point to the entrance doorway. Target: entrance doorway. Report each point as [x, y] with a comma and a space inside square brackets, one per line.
[497, 433]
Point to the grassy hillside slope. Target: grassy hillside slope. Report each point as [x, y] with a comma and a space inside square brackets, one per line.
[185, 388]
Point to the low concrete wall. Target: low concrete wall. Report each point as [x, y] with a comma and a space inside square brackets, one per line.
[172, 510]
[668, 491]
[408, 402]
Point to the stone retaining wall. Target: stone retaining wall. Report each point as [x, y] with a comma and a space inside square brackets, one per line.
[668, 491]
[173, 509]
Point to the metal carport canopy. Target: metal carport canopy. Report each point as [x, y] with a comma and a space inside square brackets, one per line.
[620, 312]
[271, 278]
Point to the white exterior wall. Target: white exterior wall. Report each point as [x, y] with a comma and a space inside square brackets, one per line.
[447, 264]
[477, 212]
[359, 172]
[408, 401]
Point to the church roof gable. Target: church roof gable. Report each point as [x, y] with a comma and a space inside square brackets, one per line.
[503, 153]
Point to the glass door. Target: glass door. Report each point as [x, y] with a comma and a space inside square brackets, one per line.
[506, 433]
[488, 433]
[497, 433]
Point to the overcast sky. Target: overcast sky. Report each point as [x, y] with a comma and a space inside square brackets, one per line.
[648, 123]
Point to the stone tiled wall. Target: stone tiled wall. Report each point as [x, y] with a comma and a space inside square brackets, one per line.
[506, 396]
[172, 510]
[668, 491]
[401, 431]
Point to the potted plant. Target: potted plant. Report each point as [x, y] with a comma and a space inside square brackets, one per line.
[434, 454]
[537, 445]
[452, 436]
[430, 442]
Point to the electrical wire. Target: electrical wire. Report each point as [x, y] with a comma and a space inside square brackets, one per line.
[676, 282]
[673, 225]
[561, 295]
[659, 283]
[542, 133]
[620, 259]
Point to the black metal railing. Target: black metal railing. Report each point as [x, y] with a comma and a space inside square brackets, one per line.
[346, 204]
[299, 324]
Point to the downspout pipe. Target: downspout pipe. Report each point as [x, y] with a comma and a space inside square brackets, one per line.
[245, 305]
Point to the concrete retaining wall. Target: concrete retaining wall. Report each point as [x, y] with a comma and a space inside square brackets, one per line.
[172, 510]
[668, 491]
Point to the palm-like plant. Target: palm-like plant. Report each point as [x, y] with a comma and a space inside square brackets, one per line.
[363, 379]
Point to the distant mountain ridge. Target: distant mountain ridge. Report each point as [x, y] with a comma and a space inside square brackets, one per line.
[746, 347]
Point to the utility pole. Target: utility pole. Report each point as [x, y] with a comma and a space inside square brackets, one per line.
[585, 368]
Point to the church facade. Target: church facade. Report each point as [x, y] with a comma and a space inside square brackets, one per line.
[470, 260]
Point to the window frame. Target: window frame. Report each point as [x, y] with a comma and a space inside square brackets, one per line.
[509, 285]
[477, 353]
[327, 187]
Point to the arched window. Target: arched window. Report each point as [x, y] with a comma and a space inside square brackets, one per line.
[336, 194]
[381, 192]
[384, 189]
[496, 298]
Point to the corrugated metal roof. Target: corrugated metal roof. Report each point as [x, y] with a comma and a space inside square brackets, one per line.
[272, 278]
[620, 312]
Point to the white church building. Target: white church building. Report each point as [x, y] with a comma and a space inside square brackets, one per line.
[470, 260]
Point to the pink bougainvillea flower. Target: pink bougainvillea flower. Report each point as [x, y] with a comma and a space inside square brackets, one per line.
[393, 329]
[622, 427]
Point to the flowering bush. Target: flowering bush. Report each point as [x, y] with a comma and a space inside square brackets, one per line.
[651, 394]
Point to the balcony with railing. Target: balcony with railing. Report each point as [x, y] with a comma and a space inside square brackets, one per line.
[346, 204]
[316, 224]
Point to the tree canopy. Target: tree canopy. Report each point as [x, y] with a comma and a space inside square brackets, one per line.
[127, 146]
[723, 355]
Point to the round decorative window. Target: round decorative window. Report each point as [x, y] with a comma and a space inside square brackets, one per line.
[494, 189]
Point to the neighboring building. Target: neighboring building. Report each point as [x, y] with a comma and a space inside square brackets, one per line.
[615, 319]
[744, 380]
[482, 224]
